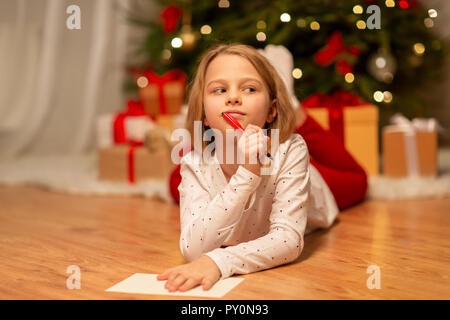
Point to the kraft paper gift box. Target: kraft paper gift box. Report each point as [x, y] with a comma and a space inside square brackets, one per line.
[410, 148]
[359, 131]
[163, 94]
[124, 163]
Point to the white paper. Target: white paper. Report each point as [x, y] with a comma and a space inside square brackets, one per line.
[146, 283]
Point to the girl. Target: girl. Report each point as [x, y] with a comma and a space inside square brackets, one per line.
[233, 219]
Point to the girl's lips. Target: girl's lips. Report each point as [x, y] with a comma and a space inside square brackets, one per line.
[236, 114]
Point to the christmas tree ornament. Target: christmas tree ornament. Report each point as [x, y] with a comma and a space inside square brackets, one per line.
[166, 55]
[170, 17]
[382, 66]
[189, 38]
[336, 51]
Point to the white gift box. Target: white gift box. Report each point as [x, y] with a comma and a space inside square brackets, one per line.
[136, 129]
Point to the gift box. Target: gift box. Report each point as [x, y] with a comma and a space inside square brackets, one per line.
[355, 123]
[158, 138]
[162, 94]
[171, 121]
[409, 147]
[126, 127]
[123, 163]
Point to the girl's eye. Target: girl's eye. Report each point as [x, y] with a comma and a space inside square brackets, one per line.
[217, 90]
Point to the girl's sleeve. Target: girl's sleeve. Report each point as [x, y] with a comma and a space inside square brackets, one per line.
[284, 241]
[205, 222]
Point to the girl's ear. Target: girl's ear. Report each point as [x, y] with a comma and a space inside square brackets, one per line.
[272, 111]
[205, 122]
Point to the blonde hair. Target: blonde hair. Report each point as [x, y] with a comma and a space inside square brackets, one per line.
[285, 118]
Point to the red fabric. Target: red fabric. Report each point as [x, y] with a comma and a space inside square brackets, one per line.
[346, 179]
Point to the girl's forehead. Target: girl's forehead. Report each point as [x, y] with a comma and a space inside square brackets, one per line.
[230, 66]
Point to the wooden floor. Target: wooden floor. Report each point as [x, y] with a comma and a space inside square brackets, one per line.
[110, 238]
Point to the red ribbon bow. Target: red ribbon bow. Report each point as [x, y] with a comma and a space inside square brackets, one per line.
[170, 17]
[134, 109]
[334, 47]
[335, 104]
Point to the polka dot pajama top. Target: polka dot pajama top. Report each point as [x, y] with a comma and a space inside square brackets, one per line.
[252, 222]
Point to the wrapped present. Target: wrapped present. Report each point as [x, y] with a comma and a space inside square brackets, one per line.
[410, 147]
[133, 164]
[354, 122]
[162, 94]
[126, 127]
[171, 121]
[158, 138]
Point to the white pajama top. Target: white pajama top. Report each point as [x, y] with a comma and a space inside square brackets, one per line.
[284, 205]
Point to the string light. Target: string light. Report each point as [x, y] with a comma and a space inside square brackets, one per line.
[349, 77]
[206, 29]
[428, 22]
[357, 9]
[297, 73]
[314, 26]
[432, 13]
[390, 3]
[360, 24]
[176, 42]
[378, 96]
[142, 82]
[261, 24]
[285, 17]
[261, 36]
[419, 49]
[380, 62]
[224, 4]
[387, 97]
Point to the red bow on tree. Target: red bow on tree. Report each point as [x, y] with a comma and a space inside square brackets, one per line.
[170, 17]
[335, 50]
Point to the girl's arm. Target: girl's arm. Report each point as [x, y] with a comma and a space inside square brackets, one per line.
[288, 218]
[206, 222]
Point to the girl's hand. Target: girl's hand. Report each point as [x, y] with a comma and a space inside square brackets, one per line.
[253, 146]
[202, 271]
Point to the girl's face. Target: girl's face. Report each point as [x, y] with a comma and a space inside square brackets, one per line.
[233, 84]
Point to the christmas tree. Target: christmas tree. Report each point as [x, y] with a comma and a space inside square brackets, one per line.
[384, 51]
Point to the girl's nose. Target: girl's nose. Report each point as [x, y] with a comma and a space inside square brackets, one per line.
[233, 99]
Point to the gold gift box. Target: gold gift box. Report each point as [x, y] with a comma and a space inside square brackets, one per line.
[360, 133]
